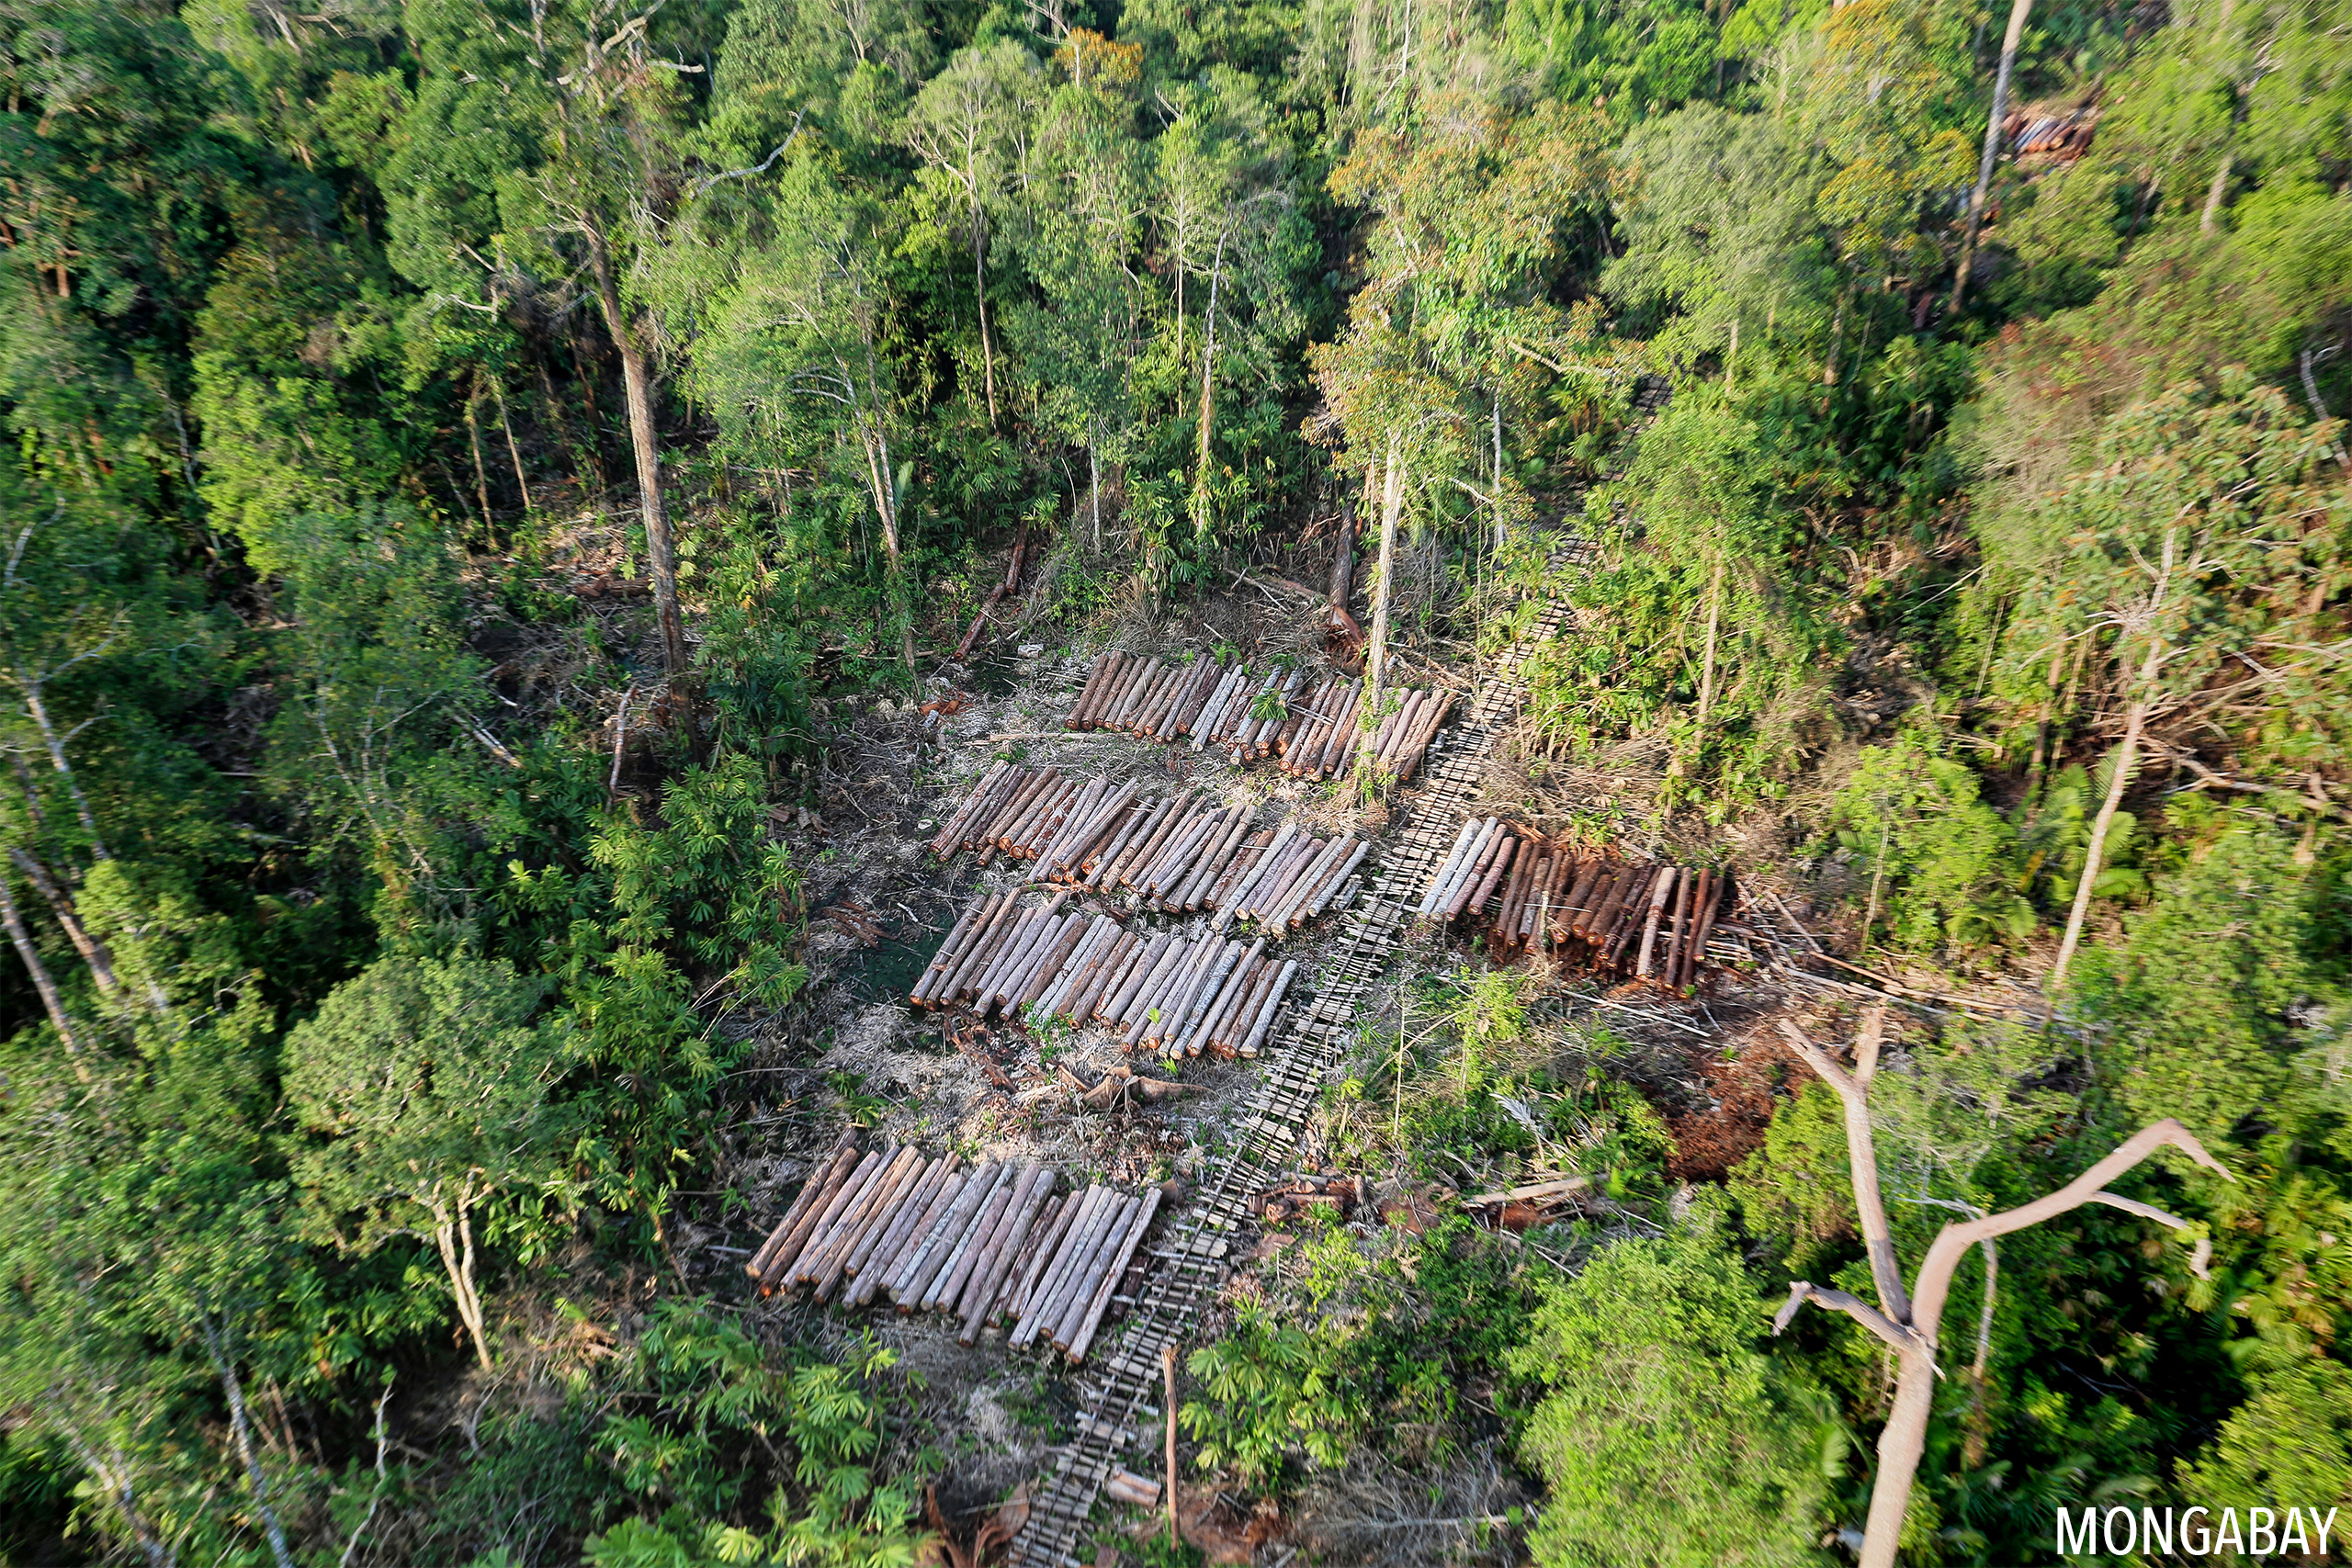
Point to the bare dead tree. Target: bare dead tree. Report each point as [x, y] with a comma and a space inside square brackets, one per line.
[1907, 1321]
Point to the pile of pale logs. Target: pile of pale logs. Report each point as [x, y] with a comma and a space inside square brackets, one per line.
[1651, 921]
[993, 1244]
[1170, 994]
[1178, 854]
[1314, 735]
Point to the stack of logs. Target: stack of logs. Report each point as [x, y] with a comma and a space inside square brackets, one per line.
[1174, 995]
[1181, 853]
[1651, 921]
[994, 1243]
[1258, 716]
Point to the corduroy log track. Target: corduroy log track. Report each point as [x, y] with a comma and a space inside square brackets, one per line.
[1307, 1041]
[993, 1244]
[1303, 1046]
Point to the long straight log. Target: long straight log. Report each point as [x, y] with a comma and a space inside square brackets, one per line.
[1463, 839]
[822, 1261]
[1307, 878]
[1444, 897]
[1077, 1288]
[1083, 1336]
[1335, 745]
[1606, 895]
[978, 1287]
[1087, 690]
[944, 842]
[847, 1202]
[1408, 762]
[1090, 1000]
[1211, 865]
[1679, 931]
[1081, 1229]
[1322, 900]
[1043, 1254]
[1268, 1008]
[1240, 897]
[1152, 1010]
[878, 1264]
[911, 1288]
[1718, 898]
[1090, 702]
[873, 1218]
[785, 1265]
[1219, 694]
[1195, 1008]
[1098, 830]
[1008, 1295]
[1280, 869]
[1015, 942]
[1159, 690]
[951, 949]
[1044, 996]
[1588, 878]
[1048, 966]
[1016, 802]
[930, 1225]
[1009, 991]
[1174, 852]
[1245, 860]
[1142, 859]
[1226, 995]
[1080, 1295]
[815, 1190]
[1080, 814]
[1236, 1027]
[1043, 819]
[1632, 917]
[1147, 965]
[1660, 896]
[987, 949]
[1481, 887]
[949, 1285]
[1145, 671]
[1533, 904]
[980, 1299]
[1101, 936]
[1140, 822]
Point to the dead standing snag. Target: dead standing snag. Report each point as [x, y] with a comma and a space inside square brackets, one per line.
[1908, 1324]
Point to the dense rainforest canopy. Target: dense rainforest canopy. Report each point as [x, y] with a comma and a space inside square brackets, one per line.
[464, 456]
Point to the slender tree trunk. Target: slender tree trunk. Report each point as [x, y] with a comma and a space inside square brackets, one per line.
[1209, 379]
[988, 348]
[2215, 192]
[50, 999]
[1979, 1430]
[115, 1479]
[514, 450]
[1375, 658]
[2018, 11]
[2120, 778]
[37, 707]
[1499, 466]
[481, 470]
[95, 953]
[243, 1430]
[454, 1240]
[886, 513]
[637, 381]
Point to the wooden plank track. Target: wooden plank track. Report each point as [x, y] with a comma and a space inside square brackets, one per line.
[1304, 1043]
